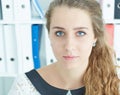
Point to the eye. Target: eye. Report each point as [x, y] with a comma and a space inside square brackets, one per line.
[81, 33]
[59, 33]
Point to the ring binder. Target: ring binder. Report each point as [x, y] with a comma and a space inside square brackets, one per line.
[35, 6]
[2, 51]
[22, 10]
[108, 10]
[116, 40]
[26, 44]
[110, 31]
[117, 9]
[36, 43]
[10, 48]
[7, 10]
[1, 16]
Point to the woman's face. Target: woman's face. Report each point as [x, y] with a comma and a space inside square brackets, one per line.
[71, 35]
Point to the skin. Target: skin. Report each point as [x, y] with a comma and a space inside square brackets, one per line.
[72, 37]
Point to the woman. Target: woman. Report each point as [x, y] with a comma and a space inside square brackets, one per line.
[84, 59]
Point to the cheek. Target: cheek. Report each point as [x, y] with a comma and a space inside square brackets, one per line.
[56, 47]
[85, 48]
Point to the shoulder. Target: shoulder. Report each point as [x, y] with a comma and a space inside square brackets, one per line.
[21, 83]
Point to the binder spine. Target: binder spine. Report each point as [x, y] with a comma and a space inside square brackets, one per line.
[108, 10]
[1, 15]
[19, 48]
[117, 9]
[22, 10]
[26, 42]
[38, 8]
[36, 36]
[2, 51]
[110, 31]
[116, 41]
[7, 10]
[10, 48]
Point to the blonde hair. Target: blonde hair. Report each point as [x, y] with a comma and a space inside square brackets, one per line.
[100, 77]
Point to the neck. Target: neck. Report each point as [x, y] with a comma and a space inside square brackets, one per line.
[72, 78]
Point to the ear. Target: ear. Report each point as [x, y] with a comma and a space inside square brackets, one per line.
[95, 40]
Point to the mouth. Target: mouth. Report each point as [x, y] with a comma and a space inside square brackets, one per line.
[70, 57]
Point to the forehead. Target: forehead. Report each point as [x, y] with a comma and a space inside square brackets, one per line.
[70, 16]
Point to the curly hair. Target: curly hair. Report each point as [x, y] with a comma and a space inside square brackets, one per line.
[100, 77]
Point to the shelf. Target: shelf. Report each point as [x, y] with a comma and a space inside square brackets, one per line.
[7, 75]
[33, 21]
[112, 21]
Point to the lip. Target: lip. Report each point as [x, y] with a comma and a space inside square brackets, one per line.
[70, 57]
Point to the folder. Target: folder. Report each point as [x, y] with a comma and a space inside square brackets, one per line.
[37, 11]
[22, 10]
[7, 9]
[36, 40]
[117, 9]
[117, 41]
[0, 11]
[10, 48]
[2, 50]
[19, 48]
[110, 30]
[24, 31]
[108, 10]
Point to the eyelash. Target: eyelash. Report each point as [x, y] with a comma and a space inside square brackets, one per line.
[80, 33]
[60, 33]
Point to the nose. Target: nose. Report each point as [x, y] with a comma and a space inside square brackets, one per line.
[70, 44]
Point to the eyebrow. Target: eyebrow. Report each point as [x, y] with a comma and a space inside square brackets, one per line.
[57, 27]
[76, 28]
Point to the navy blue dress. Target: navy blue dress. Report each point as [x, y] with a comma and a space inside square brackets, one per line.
[45, 89]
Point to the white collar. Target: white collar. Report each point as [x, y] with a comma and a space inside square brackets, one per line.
[69, 93]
